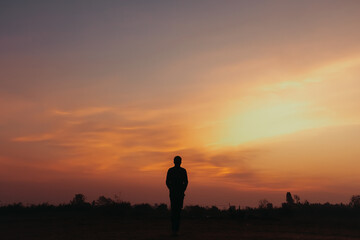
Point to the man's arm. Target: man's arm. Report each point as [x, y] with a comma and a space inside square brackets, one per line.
[168, 179]
[185, 180]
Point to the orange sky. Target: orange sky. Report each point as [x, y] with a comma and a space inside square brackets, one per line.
[259, 98]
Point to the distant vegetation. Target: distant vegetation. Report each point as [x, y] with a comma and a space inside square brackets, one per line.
[105, 205]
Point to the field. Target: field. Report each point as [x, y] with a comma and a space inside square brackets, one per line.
[83, 225]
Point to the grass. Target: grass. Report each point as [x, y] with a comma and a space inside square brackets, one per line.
[84, 225]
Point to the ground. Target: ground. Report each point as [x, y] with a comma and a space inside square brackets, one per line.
[83, 226]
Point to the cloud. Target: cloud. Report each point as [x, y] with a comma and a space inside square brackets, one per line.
[313, 76]
[34, 138]
[83, 112]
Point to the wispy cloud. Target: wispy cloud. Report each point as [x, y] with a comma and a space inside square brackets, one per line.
[83, 112]
[34, 138]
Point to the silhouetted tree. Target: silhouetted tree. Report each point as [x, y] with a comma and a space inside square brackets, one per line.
[104, 201]
[263, 203]
[289, 199]
[78, 200]
[117, 198]
[297, 199]
[214, 211]
[161, 207]
[232, 211]
[355, 201]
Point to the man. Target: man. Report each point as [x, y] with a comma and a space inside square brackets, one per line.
[176, 181]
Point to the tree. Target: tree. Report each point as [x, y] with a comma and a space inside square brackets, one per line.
[104, 201]
[264, 203]
[355, 201]
[297, 199]
[289, 199]
[78, 200]
[161, 207]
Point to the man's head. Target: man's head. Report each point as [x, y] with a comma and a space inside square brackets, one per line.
[177, 161]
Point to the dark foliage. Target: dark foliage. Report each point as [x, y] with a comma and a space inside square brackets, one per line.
[266, 210]
[355, 201]
[289, 198]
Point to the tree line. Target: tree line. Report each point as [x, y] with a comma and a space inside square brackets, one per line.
[115, 206]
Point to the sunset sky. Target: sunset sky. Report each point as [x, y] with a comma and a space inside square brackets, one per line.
[258, 97]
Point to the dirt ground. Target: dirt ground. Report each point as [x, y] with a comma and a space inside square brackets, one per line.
[50, 227]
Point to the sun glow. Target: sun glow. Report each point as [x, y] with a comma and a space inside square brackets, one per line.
[288, 106]
[268, 120]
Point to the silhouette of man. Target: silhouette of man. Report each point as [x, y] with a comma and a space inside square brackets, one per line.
[176, 181]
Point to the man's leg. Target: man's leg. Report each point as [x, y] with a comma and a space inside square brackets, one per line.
[175, 219]
[179, 208]
[176, 206]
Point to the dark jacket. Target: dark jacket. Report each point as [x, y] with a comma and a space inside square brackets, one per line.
[176, 180]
